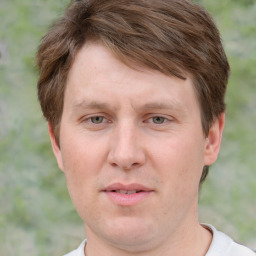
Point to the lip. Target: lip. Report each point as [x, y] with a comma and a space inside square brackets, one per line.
[113, 192]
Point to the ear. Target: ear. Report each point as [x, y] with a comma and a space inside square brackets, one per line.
[213, 141]
[55, 147]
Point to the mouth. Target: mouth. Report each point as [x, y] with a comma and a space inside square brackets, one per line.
[128, 192]
[127, 195]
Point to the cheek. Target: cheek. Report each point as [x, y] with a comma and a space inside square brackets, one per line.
[82, 163]
[81, 171]
[81, 155]
[181, 163]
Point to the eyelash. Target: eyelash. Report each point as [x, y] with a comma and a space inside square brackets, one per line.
[89, 119]
[97, 118]
[164, 119]
[103, 120]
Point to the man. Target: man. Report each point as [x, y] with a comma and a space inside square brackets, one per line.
[133, 92]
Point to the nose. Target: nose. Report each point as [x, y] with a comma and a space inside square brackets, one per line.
[126, 150]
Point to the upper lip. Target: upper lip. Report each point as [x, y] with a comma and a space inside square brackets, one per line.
[127, 187]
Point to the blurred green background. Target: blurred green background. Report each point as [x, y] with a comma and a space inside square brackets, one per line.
[36, 214]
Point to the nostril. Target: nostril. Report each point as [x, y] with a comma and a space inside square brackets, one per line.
[126, 157]
[128, 167]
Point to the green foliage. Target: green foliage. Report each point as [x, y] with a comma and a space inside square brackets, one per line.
[35, 210]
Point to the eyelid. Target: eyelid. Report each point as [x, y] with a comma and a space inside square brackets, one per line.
[107, 119]
[165, 117]
[88, 117]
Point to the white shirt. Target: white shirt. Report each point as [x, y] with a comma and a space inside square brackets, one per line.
[221, 245]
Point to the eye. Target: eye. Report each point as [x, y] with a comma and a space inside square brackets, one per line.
[158, 120]
[97, 119]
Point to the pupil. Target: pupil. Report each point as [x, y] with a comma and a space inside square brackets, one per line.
[97, 119]
[158, 120]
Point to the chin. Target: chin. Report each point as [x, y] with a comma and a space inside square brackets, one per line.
[130, 234]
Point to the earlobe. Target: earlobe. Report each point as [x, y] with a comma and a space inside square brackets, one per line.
[55, 146]
[213, 141]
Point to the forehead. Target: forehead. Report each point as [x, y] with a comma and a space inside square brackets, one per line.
[94, 59]
[96, 70]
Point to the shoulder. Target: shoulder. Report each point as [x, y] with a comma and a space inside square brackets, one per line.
[240, 250]
[223, 245]
[79, 251]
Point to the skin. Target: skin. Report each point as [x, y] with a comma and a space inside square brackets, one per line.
[123, 125]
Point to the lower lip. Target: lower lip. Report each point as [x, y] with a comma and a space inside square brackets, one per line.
[127, 199]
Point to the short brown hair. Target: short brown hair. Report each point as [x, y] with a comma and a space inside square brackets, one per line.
[175, 37]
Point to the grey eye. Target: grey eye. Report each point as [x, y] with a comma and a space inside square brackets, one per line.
[158, 119]
[97, 119]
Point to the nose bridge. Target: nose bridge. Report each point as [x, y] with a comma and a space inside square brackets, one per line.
[126, 150]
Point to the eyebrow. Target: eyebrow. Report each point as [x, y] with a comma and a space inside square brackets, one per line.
[162, 105]
[91, 104]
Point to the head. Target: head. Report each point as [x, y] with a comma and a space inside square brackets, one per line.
[174, 37]
[133, 91]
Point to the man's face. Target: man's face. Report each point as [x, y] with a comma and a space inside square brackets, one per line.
[132, 150]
